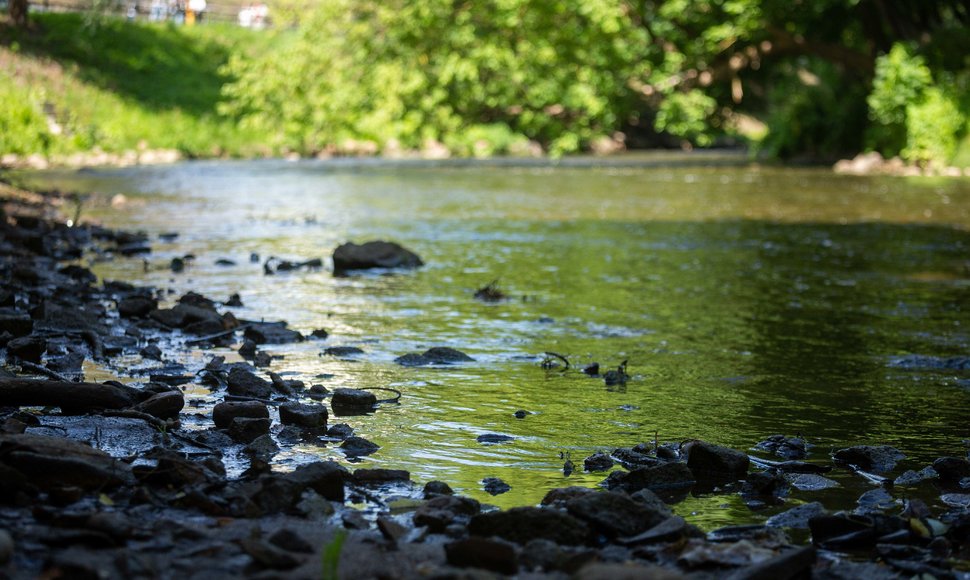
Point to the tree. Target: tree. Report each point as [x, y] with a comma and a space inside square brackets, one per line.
[18, 12]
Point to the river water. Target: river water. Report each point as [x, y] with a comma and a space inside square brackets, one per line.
[747, 300]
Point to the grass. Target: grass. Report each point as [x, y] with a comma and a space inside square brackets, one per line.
[118, 85]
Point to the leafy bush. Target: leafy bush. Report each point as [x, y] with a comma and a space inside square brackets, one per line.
[901, 79]
[932, 127]
[23, 127]
[687, 115]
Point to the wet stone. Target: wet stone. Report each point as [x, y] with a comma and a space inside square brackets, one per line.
[797, 517]
[247, 350]
[492, 438]
[765, 484]
[707, 459]
[522, 524]
[151, 352]
[341, 351]
[354, 446]
[875, 501]
[661, 477]
[910, 477]
[287, 539]
[952, 469]
[483, 553]
[435, 488]
[326, 478]
[495, 486]
[352, 399]
[246, 430]
[271, 333]
[243, 383]
[305, 416]
[136, 306]
[340, 431]
[614, 514]
[439, 355]
[373, 254]
[68, 364]
[810, 482]
[598, 462]
[379, 476]
[441, 511]
[224, 413]
[28, 348]
[878, 458]
[787, 447]
[166, 405]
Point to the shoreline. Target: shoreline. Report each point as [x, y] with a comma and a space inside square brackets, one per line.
[163, 490]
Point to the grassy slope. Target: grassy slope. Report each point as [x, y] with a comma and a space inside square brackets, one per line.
[119, 84]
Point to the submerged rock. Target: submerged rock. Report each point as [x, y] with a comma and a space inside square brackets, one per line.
[493, 438]
[810, 482]
[374, 254]
[495, 486]
[598, 462]
[878, 458]
[787, 447]
[439, 355]
[354, 446]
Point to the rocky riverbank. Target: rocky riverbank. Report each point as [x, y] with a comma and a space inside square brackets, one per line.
[141, 480]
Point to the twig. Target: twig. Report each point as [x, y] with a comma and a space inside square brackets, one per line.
[42, 370]
[559, 356]
[391, 400]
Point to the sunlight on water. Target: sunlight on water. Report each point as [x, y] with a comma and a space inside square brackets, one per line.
[747, 300]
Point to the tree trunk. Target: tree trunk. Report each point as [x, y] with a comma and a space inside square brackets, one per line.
[18, 12]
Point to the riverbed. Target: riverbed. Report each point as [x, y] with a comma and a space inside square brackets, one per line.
[747, 301]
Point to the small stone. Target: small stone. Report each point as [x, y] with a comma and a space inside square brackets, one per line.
[811, 482]
[878, 458]
[614, 513]
[910, 477]
[495, 486]
[390, 529]
[520, 414]
[326, 478]
[436, 488]
[598, 462]
[243, 383]
[340, 431]
[672, 475]
[522, 524]
[28, 348]
[765, 484]
[356, 446]
[246, 430]
[262, 359]
[342, 351]
[305, 416]
[166, 405]
[952, 469]
[441, 511]
[797, 517]
[287, 539]
[271, 333]
[224, 413]
[707, 459]
[493, 438]
[151, 352]
[247, 350]
[136, 306]
[374, 254]
[352, 399]
[483, 553]
[379, 476]
[319, 334]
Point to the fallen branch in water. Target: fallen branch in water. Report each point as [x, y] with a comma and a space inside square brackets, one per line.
[391, 400]
[546, 364]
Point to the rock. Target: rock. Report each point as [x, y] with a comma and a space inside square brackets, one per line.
[348, 401]
[356, 446]
[262, 448]
[289, 540]
[28, 348]
[379, 476]
[793, 563]
[674, 475]
[247, 350]
[267, 555]
[439, 355]
[390, 529]
[136, 306]
[797, 517]
[375, 254]
[631, 458]
[262, 360]
[340, 431]
[16, 323]
[440, 512]
[614, 514]
[626, 571]
[436, 488]
[482, 553]
[224, 413]
[598, 462]
[495, 486]
[770, 484]
[651, 500]
[50, 462]
[166, 405]
[841, 531]
[305, 416]
[6, 547]
[875, 501]
[910, 477]
[173, 470]
[319, 334]
[672, 529]
[952, 469]
[271, 333]
[341, 351]
[920, 362]
[521, 414]
[523, 524]
[354, 520]
[326, 478]
[69, 364]
[492, 438]
[787, 447]
[243, 383]
[151, 352]
[246, 430]
[706, 459]
[878, 458]
[810, 482]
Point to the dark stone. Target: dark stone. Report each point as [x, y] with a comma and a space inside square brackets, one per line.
[495, 486]
[262, 360]
[435, 488]
[271, 333]
[631, 458]
[16, 323]
[910, 477]
[327, 478]
[523, 524]
[170, 317]
[793, 563]
[439, 512]
[787, 447]
[174, 470]
[243, 383]
[352, 400]
[247, 350]
[262, 448]
[68, 364]
[669, 530]
[234, 301]
[674, 475]
[28, 348]
[492, 438]
[811, 482]
[320, 334]
[136, 306]
[371, 476]
[952, 469]
[878, 458]
[375, 254]
[875, 501]
[561, 495]
[246, 430]
[706, 459]
[340, 431]
[592, 370]
[289, 540]
[843, 531]
[412, 360]
[225, 262]
[151, 352]
[598, 462]
[354, 446]
[305, 416]
[520, 414]
[390, 529]
[765, 484]
[267, 555]
[920, 362]
[166, 405]
[614, 514]
[482, 553]
[342, 351]
[224, 413]
[51, 462]
[439, 355]
[797, 517]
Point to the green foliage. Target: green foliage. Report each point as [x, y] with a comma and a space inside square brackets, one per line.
[23, 127]
[687, 115]
[932, 127]
[901, 78]
[410, 73]
[330, 555]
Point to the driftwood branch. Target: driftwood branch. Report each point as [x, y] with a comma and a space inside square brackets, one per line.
[74, 397]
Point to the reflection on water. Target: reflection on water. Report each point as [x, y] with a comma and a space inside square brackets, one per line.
[748, 301]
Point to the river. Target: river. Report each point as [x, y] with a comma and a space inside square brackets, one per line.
[747, 300]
